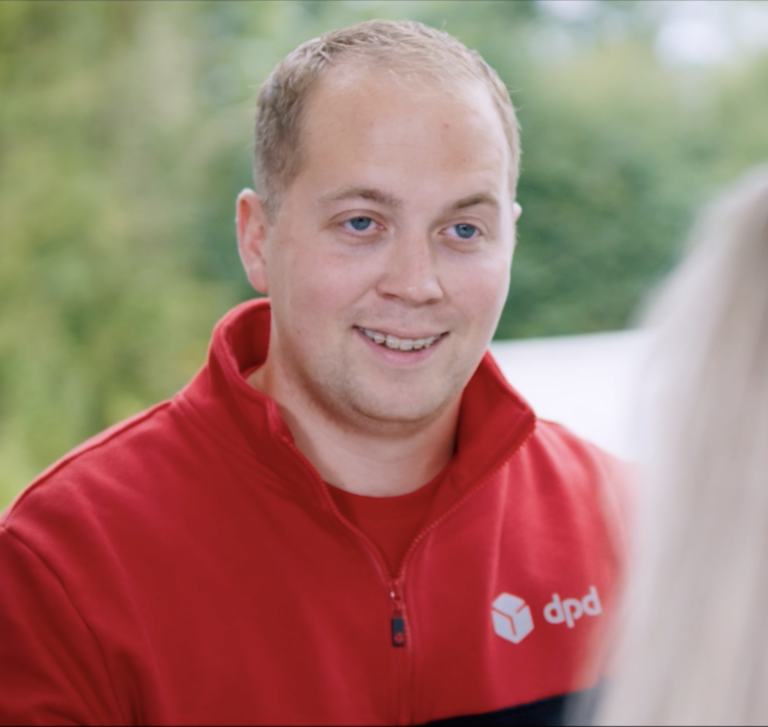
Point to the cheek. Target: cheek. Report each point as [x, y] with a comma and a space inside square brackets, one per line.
[323, 285]
[482, 290]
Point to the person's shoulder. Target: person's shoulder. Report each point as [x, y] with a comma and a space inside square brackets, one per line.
[591, 475]
[558, 442]
[580, 466]
[65, 484]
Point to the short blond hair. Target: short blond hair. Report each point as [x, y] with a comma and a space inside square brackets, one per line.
[409, 49]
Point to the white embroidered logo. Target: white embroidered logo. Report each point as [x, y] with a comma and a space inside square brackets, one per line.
[512, 619]
[571, 609]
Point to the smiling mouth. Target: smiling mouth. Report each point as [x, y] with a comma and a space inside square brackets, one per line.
[399, 344]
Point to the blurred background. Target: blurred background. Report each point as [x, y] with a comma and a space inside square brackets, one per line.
[125, 135]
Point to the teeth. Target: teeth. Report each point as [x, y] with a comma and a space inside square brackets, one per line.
[399, 344]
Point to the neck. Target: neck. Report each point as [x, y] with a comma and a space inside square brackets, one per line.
[378, 461]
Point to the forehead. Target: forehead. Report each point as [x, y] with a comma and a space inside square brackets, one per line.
[369, 117]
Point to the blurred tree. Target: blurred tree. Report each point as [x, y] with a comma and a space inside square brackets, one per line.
[101, 312]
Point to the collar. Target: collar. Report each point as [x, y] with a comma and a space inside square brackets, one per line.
[494, 420]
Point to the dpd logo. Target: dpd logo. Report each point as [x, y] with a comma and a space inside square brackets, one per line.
[571, 609]
[512, 619]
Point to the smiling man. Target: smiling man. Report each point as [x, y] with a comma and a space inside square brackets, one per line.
[348, 516]
[387, 264]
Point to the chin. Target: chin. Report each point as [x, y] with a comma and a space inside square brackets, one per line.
[394, 411]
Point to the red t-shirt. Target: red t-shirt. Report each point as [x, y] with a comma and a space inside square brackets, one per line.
[390, 522]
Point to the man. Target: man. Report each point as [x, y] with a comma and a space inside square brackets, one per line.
[348, 516]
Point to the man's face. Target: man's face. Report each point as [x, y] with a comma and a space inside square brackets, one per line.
[388, 261]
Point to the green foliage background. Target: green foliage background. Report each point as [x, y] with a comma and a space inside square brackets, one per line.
[125, 136]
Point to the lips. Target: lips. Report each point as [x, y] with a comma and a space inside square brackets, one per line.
[399, 344]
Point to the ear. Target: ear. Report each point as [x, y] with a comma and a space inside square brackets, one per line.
[252, 230]
[517, 210]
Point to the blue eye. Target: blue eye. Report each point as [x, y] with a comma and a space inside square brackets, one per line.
[465, 231]
[360, 224]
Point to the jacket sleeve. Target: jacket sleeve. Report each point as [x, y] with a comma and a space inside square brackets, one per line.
[52, 670]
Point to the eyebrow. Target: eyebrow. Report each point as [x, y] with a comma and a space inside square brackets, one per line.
[369, 193]
[476, 199]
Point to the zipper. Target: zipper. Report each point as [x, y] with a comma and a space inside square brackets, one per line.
[459, 503]
[394, 586]
[403, 651]
[398, 623]
[398, 613]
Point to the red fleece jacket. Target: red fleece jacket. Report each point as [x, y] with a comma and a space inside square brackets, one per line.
[189, 566]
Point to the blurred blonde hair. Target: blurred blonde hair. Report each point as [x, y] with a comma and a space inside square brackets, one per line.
[695, 648]
[410, 50]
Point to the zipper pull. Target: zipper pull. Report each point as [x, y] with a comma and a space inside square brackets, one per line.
[398, 631]
[398, 617]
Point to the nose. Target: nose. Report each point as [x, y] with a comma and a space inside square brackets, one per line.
[411, 272]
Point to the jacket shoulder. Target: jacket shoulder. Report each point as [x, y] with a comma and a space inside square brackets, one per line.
[88, 457]
[586, 477]
[562, 448]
